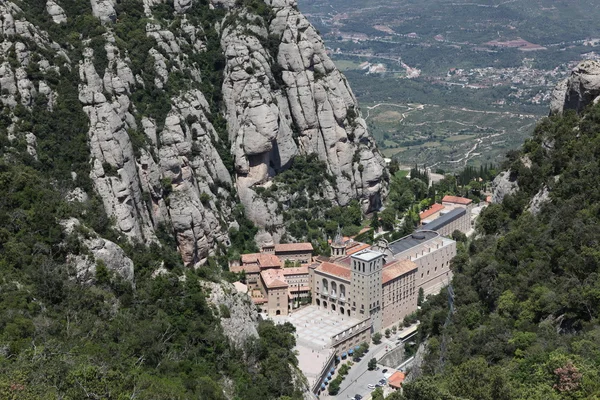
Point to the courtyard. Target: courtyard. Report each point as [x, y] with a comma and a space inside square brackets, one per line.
[314, 329]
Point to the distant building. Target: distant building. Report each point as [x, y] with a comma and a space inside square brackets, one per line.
[430, 251]
[395, 381]
[301, 252]
[375, 285]
[431, 213]
[458, 219]
[455, 201]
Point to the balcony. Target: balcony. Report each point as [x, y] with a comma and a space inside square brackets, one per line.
[332, 294]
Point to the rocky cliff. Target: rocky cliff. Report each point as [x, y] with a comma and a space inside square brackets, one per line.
[578, 90]
[190, 106]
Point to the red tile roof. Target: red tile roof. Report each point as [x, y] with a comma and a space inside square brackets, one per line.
[335, 270]
[264, 260]
[432, 210]
[295, 271]
[458, 200]
[250, 269]
[396, 379]
[269, 261]
[396, 269]
[289, 247]
[251, 258]
[273, 278]
[355, 248]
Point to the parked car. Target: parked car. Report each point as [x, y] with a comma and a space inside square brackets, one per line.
[384, 370]
[371, 386]
[357, 397]
[382, 381]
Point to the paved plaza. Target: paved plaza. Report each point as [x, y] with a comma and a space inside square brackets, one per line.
[314, 329]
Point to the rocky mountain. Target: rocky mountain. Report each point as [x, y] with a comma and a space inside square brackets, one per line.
[172, 112]
[579, 90]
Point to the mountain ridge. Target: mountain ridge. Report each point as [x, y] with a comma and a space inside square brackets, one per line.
[153, 79]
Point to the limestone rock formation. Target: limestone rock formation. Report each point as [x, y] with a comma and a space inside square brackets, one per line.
[242, 320]
[536, 203]
[160, 155]
[502, 186]
[56, 12]
[579, 90]
[303, 106]
[109, 253]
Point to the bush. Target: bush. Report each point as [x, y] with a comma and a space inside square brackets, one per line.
[224, 311]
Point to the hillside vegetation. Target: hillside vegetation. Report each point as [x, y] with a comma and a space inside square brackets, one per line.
[527, 289]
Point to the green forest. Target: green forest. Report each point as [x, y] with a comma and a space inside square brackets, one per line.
[524, 322]
[149, 338]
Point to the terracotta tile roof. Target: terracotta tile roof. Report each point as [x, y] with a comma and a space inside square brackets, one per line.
[264, 260]
[259, 300]
[323, 259]
[335, 270]
[356, 247]
[295, 271]
[268, 261]
[396, 379]
[432, 210]
[457, 200]
[273, 278]
[251, 258]
[395, 269]
[250, 269]
[289, 247]
[313, 265]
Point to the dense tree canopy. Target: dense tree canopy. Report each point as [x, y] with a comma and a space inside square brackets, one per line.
[527, 289]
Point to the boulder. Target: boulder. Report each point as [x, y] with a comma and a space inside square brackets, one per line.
[502, 186]
[56, 12]
[579, 90]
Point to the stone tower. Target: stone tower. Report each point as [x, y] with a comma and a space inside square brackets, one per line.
[366, 281]
[338, 247]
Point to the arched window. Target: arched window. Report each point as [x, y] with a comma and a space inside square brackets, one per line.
[333, 288]
[325, 286]
[342, 291]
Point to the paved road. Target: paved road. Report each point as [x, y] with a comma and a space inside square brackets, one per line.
[359, 376]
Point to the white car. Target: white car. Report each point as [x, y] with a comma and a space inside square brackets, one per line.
[371, 386]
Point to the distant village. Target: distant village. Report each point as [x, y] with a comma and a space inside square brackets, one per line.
[339, 301]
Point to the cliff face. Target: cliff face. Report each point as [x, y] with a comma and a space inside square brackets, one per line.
[578, 90]
[153, 79]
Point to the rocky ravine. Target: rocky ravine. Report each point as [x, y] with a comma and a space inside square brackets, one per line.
[281, 96]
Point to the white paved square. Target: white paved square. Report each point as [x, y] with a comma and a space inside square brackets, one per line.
[314, 329]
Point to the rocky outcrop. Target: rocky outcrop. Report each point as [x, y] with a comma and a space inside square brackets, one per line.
[104, 10]
[579, 90]
[502, 186]
[156, 160]
[293, 101]
[540, 198]
[242, 318]
[56, 12]
[98, 250]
